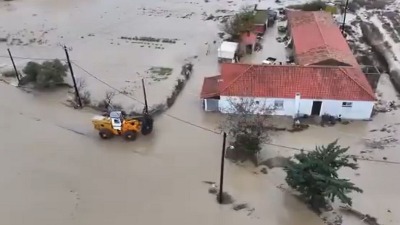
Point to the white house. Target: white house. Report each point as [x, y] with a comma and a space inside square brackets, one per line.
[227, 51]
[291, 90]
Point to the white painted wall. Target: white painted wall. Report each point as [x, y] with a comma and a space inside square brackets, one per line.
[359, 109]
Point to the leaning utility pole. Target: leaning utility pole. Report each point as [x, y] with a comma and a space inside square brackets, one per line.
[77, 95]
[146, 107]
[221, 177]
[15, 68]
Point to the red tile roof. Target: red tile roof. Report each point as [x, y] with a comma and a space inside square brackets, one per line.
[312, 82]
[210, 87]
[317, 38]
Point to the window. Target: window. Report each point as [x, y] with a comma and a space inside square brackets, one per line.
[278, 104]
[347, 104]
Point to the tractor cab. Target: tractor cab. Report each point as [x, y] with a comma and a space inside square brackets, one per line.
[116, 120]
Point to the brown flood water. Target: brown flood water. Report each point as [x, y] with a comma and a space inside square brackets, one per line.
[55, 169]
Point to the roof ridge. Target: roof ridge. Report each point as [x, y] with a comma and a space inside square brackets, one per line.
[319, 29]
[358, 83]
[237, 78]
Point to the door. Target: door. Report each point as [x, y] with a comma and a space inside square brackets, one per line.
[316, 108]
[249, 49]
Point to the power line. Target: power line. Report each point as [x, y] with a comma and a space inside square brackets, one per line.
[107, 84]
[31, 58]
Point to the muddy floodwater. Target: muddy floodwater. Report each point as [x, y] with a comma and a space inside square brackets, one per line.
[54, 169]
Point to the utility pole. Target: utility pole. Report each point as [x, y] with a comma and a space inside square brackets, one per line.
[221, 177]
[344, 15]
[15, 68]
[146, 107]
[77, 95]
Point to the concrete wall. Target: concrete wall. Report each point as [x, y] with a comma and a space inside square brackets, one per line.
[359, 109]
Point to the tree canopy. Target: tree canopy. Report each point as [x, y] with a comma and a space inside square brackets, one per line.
[247, 126]
[315, 175]
[45, 75]
[239, 23]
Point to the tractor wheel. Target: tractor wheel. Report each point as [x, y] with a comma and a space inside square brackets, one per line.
[105, 134]
[147, 125]
[147, 129]
[130, 135]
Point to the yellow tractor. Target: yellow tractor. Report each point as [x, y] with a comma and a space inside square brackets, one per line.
[117, 124]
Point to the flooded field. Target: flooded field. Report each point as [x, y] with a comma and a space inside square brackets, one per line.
[55, 169]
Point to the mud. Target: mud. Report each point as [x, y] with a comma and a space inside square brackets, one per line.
[52, 157]
[276, 162]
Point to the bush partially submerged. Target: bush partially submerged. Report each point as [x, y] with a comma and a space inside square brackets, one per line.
[310, 6]
[187, 70]
[46, 75]
[247, 125]
[315, 175]
[8, 73]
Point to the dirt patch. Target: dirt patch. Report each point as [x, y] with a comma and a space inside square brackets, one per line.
[332, 217]
[380, 143]
[278, 161]
[371, 4]
[162, 12]
[227, 199]
[370, 220]
[159, 73]
[240, 156]
[240, 206]
[214, 189]
[371, 35]
[26, 37]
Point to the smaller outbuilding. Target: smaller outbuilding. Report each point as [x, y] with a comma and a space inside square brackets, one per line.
[227, 51]
[260, 21]
[248, 42]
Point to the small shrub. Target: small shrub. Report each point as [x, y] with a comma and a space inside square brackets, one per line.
[310, 6]
[86, 98]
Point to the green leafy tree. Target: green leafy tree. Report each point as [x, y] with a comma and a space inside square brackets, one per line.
[315, 175]
[239, 23]
[45, 75]
[310, 6]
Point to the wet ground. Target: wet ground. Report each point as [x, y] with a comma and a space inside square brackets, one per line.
[55, 170]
